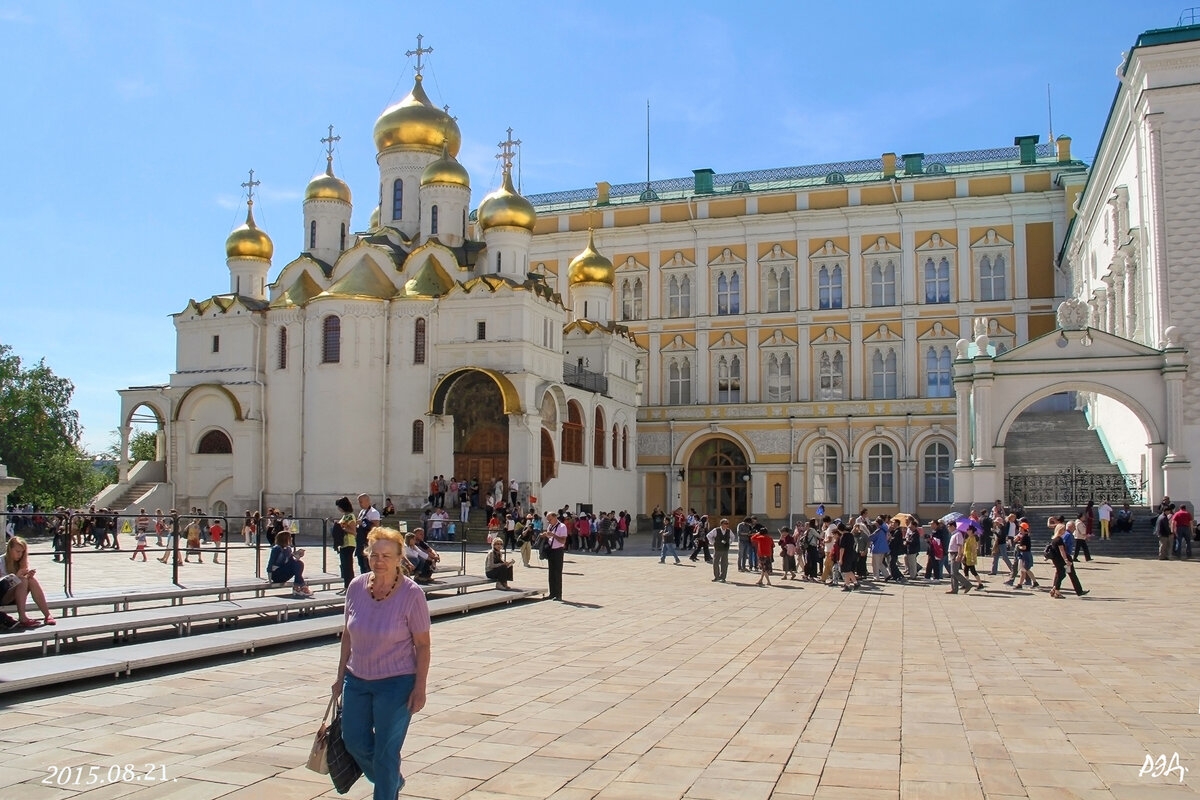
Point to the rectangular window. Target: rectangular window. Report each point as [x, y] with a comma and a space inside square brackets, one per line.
[480, 331]
[216, 344]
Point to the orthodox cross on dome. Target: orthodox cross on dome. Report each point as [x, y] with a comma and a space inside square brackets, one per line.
[249, 187]
[328, 142]
[507, 153]
[420, 51]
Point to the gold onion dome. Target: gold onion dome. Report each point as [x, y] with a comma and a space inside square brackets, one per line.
[505, 208]
[590, 267]
[327, 186]
[247, 241]
[374, 222]
[446, 170]
[416, 122]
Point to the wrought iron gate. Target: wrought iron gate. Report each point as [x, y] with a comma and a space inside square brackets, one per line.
[1075, 486]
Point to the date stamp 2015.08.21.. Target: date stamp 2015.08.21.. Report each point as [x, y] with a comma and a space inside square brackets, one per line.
[113, 773]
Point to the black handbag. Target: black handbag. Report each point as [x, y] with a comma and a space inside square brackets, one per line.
[343, 769]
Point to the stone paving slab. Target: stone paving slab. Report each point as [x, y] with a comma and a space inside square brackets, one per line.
[654, 682]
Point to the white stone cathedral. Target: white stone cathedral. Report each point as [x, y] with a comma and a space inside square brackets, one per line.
[375, 360]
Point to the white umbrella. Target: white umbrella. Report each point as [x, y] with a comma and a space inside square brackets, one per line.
[952, 517]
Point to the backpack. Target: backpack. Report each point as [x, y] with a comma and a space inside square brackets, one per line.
[1048, 553]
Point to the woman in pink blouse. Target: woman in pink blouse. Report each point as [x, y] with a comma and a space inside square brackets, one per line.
[384, 664]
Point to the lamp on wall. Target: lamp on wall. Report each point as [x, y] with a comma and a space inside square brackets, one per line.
[746, 475]
[681, 473]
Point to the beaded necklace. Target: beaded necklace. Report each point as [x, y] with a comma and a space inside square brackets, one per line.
[371, 587]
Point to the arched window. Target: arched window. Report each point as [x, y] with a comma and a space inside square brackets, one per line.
[825, 474]
[936, 474]
[397, 198]
[637, 298]
[331, 340]
[419, 340]
[342, 240]
[626, 300]
[312, 234]
[679, 382]
[779, 289]
[937, 281]
[729, 380]
[881, 474]
[497, 261]
[779, 378]
[433, 220]
[729, 294]
[598, 437]
[625, 447]
[829, 376]
[616, 441]
[883, 375]
[572, 434]
[215, 442]
[418, 436]
[883, 284]
[937, 372]
[679, 296]
[992, 283]
[829, 287]
[283, 347]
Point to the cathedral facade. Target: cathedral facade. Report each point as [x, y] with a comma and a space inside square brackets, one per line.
[376, 360]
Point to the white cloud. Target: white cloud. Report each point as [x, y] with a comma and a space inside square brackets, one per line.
[228, 201]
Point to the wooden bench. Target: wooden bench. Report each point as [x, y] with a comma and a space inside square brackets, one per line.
[50, 670]
[121, 599]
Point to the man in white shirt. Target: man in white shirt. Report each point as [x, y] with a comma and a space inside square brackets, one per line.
[556, 532]
[956, 563]
[368, 518]
[513, 490]
[1105, 513]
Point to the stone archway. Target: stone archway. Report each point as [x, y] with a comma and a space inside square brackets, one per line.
[481, 428]
[992, 390]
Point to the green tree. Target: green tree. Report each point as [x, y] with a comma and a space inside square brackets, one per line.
[143, 446]
[39, 435]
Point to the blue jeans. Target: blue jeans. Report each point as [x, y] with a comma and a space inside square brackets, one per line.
[1183, 544]
[375, 719]
[668, 546]
[998, 553]
[747, 558]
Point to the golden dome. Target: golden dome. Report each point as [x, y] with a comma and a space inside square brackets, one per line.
[327, 186]
[374, 222]
[417, 123]
[247, 241]
[504, 207]
[446, 170]
[590, 267]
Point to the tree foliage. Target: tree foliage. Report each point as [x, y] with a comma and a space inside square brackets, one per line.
[39, 435]
[142, 446]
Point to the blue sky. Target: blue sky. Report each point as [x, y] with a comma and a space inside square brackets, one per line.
[130, 125]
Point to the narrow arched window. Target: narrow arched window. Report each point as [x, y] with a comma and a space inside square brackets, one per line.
[283, 345]
[331, 340]
[418, 436]
[312, 234]
[598, 457]
[433, 220]
[419, 341]
[397, 198]
[342, 241]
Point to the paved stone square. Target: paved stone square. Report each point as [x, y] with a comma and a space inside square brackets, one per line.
[654, 682]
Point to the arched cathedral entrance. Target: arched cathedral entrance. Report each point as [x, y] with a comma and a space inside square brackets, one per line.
[1145, 383]
[480, 428]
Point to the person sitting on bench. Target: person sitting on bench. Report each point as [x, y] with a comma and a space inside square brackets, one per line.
[18, 582]
[284, 564]
[422, 564]
[497, 567]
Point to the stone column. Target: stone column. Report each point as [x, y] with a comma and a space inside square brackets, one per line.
[1118, 300]
[123, 460]
[1130, 298]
